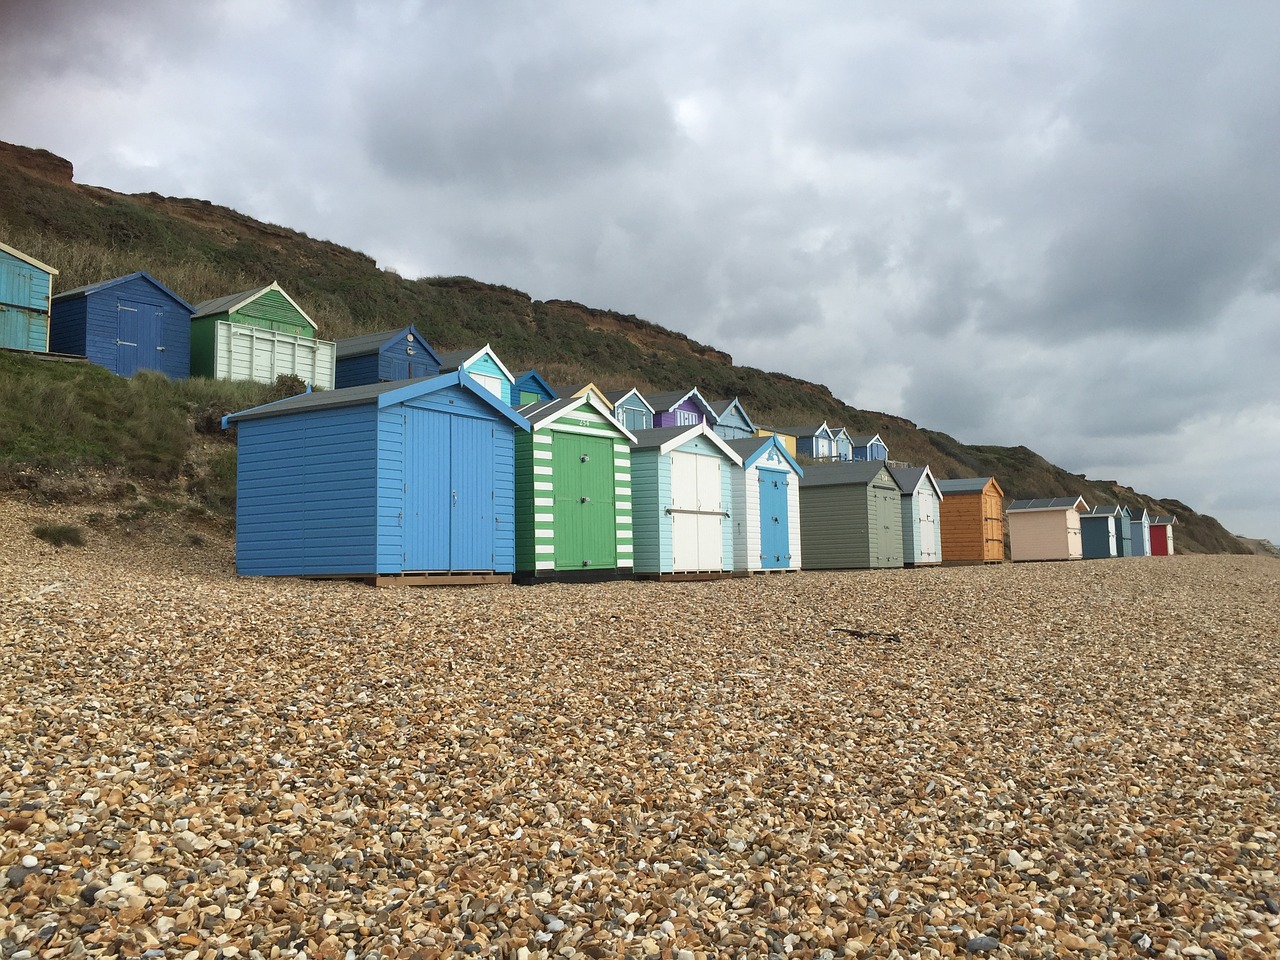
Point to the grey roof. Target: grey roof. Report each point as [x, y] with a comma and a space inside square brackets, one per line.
[1164, 518]
[909, 477]
[845, 472]
[1046, 503]
[746, 446]
[1103, 510]
[366, 343]
[104, 284]
[667, 399]
[807, 430]
[456, 358]
[613, 396]
[570, 389]
[863, 440]
[964, 485]
[547, 408]
[323, 399]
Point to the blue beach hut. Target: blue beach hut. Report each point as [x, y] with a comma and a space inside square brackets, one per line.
[530, 387]
[1140, 532]
[631, 409]
[26, 285]
[766, 506]
[127, 324]
[384, 357]
[731, 420]
[407, 480]
[1100, 532]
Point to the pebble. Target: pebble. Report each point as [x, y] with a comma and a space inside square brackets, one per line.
[30, 862]
[278, 768]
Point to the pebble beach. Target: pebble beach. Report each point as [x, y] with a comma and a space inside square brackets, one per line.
[1041, 760]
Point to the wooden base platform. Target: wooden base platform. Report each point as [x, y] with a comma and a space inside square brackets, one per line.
[44, 355]
[698, 575]
[420, 578]
[599, 575]
[765, 573]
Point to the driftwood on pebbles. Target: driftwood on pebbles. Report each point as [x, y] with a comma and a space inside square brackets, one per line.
[1059, 760]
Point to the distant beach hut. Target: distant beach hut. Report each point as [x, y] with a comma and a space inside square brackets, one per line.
[921, 505]
[631, 409]
[814, 440]
[850, 516]
[385, 358]
[1161, 532]
[1045, 528]
[259, 334]
[128, 324]
[766, 506]
[1100, 532]
[972, 515]
[731, 420]
[680, 408]
[532, 388]
[1140, 532]
[484, 367]
[26, 287]
[788, 440]
[869, 447]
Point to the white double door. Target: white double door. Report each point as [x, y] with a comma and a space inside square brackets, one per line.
[697, 513]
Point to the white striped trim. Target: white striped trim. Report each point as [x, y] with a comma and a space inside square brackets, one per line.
[542, 454]
[544, 501]
[546, 565]
[543, 438]
[541, 471]
[544, 518]
[544, 548]
[543, 485]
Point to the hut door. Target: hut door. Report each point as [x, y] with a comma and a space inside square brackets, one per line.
[1113, 549]
[448, 492]
[697, 513]
[926, 529]
[586, 536]
[774, 534]
[992, 528]
[138, 335]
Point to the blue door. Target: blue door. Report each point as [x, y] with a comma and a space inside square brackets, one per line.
[448, 492]
[139, 329]
[775, 537]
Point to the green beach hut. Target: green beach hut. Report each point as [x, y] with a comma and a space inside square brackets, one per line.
[573, 492]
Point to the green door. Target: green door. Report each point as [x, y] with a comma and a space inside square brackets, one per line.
[585, 518]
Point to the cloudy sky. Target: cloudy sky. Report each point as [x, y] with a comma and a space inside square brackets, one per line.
[1051, 223]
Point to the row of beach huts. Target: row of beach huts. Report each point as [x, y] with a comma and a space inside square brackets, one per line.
[421, 466]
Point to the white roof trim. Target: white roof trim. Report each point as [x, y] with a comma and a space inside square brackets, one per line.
[701, 429]
[28, 259]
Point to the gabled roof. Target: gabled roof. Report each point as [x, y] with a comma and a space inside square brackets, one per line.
[666, 439]
[910, 478]
[26, 259]
[865, 440]
[779, 430]
[1104, 510]
[543, 412]
[457, 359]
[382, 394]
[671, 399]
[1164, 520]
[1047, 503]
[533, 376]
[809, 430]
[91, 288]
[722, 407]
[751, 449]
[968, 485]
[616, 397]
[373, 342]
[1139, 513]
[234, 301]
[846, 472]
[577, 389]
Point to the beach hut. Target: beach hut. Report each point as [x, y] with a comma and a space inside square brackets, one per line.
[850, 516]
[127, 324]
[384, 357]
[531, 388]
[869, 447]
[1100, 532]
[1140, 532]
[921, 503]
[682, 488]
[680, 408]
[485, 368]
[972, 515]
[1045, 528]
[26, 286]
[788, 440]
[842, 443]
[412, 482]
[259, 335]
[573, 492]
[1124, 533]
[730, 420]
[582, 390]
[815, 441]
[1161, 532]
[766, 506]
[631, 409]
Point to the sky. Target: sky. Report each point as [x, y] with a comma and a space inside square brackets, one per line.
[1052, 224]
